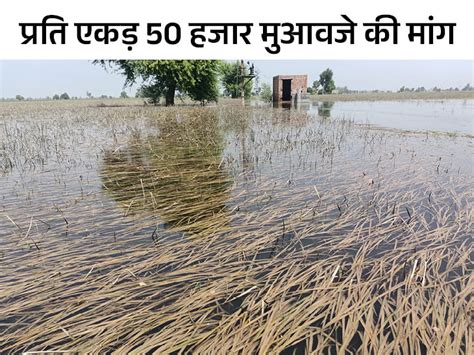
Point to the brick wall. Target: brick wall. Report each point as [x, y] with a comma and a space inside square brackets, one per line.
[297, 82]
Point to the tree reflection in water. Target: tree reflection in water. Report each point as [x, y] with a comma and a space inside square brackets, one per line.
[177, 174]
[324, 109]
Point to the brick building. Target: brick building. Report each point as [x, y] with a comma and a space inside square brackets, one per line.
[285, 87]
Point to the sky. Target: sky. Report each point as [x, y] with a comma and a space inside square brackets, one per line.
[42, 78]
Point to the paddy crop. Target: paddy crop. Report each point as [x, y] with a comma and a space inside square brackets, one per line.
[231, 230]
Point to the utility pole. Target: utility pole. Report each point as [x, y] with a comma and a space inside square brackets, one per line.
[242, 82]
[257, 87]
[244, 78]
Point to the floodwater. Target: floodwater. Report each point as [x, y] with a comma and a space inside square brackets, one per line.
[90, 173]
[188, 166]
[97, 201]
[449, 116]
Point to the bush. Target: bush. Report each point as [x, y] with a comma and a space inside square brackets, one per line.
[266, 93]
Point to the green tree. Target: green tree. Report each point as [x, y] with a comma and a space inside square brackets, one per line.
[266, 92]
[56, 97]
[151, 93]
[326, 81]
[19, 98]
[230, 76]
[123, 95]
[316, 85]
[205, 87]
[197, 78]
[64, 96]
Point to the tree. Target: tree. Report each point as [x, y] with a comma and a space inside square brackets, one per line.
[316, 86]
[266, 92]
[343, 90]
[151, 93]
[89, 95]
[197, 78]
[19, 98]
[64, 96]
[123, 95]
[206, 84]
[230, 76]
[326, 81]
[56, 97]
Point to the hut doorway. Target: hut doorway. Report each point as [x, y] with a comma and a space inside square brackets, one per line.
[286, 90]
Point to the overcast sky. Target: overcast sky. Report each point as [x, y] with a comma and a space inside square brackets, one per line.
[35, 78]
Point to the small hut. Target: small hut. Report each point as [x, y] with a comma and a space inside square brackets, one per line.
[287, 87]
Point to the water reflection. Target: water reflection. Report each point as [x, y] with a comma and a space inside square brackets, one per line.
[177, 174]
[418, 115]
[324, 108]
[293, 105]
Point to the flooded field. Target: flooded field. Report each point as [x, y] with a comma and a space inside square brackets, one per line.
[447, 116]
[233, 230]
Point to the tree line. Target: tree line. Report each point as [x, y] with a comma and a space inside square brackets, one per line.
[65, 96]
[195, 79]
[200, 80]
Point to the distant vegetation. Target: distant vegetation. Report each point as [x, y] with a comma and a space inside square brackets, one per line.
[403, 89]
[325, 84]
[266, 92]
[468, 87]
[205, 80]
[198, 79]
[230, 76]
[65, 96]
[388, 96]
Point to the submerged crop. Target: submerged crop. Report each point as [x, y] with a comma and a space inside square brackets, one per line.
[229, 228]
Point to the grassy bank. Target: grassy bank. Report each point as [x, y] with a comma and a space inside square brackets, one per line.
[441, 95]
